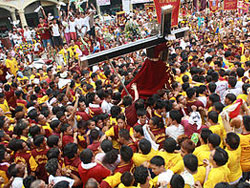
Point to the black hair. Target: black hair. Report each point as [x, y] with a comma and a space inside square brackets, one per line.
[231, 97]
[34, 130]
[127, 179]
[220, 156]
[213, 115]
[86, 156]
[38, 140]
[139, 129]
[170, 145]
[94, 134]
[232, 81]
[106, 145]
[141, 174]
[214, 98]
[177, 181]
[12, 170]
[145, 146]
[190, 92]
[141, 112]
[157, 121]
[61, 184]
[214, 140]
[70, 150]
[218, 106]
[246, 122]
[157, 161]
[175, 115]
[52, 166]
[233, 140]
[127, 101]
[20, 126]
[159, 104]
[115, 111]
[52, 141]
[53, 153]
[64, 127]
[28, 180]
[191, 162]
[124, 133]
[212, 87]
[222, 185]
[126, 153]
[205, 132]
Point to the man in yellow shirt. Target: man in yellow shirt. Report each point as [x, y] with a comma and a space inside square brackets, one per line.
[245, 149]
[169, 155]
[217, 171]
[11, 64]
[146, 153]
[191, 167]
[234, 152]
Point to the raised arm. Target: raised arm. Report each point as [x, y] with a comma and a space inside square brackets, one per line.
[44, 14]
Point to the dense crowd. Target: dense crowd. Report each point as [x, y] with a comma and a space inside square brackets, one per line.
[65, 125]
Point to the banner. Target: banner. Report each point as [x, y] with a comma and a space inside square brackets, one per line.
[213, 5]
[243, 7]
[175, 12]
[103, 2]
[230, 4]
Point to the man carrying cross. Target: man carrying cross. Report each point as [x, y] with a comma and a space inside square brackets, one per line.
[154, 73]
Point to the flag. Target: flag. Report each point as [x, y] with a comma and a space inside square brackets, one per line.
[175, 11]
[37, 9]
[233, 110]
[213, 5]
[230, 4]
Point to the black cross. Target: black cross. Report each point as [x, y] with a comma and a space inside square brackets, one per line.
[148, 43]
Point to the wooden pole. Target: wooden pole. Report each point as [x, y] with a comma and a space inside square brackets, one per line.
[116, 73]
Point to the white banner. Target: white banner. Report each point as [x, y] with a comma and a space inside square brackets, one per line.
[103, 2]
[141, 1]
[126, 6]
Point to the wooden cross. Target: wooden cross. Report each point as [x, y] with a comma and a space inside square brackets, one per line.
[148, 43]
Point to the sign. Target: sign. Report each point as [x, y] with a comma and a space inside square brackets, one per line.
[140, 1]
[175, 12]
[213, 5]
[103, 2]
[126, 6]
[230, 4]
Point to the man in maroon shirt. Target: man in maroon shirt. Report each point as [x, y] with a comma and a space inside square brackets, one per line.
[43, 29]
[89, 169]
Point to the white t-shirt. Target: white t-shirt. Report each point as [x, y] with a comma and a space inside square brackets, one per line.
[27, 35]
[66, 25]
[86, 22]
[55, 30]
[174, 131]
[57, 179]
[221, 87]
[17, 183]
[106, 107]
[72, 26]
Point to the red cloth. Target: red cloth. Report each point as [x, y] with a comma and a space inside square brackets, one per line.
[85, 116]
[97, 172]
[151, 77]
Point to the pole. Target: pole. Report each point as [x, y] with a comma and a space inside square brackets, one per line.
[116, 73]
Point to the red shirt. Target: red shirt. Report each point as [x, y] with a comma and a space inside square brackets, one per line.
[94, 146]
[67, 139]
[45, 34]
[72, 164]
[85, 116]
[41, 159]
[97, 172]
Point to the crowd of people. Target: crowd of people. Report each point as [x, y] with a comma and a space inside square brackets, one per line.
[84, 133]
